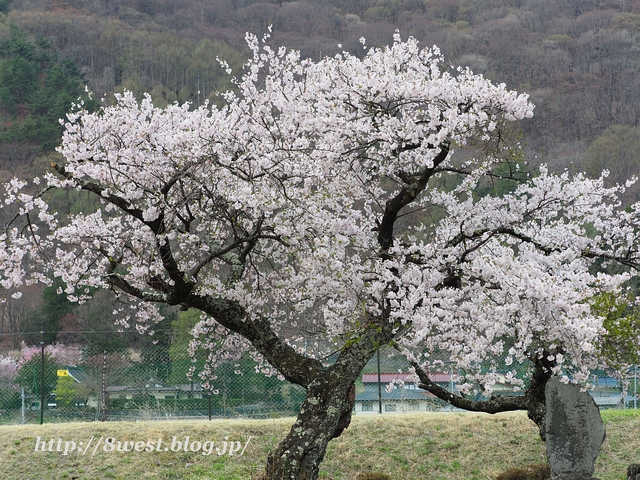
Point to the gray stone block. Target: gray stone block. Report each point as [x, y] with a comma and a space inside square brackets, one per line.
[574, 430]
[572, 476]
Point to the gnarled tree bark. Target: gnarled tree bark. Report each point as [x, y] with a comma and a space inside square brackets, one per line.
[326, 411]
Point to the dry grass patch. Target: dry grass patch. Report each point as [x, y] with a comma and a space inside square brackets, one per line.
[20, 461]
[435, 446]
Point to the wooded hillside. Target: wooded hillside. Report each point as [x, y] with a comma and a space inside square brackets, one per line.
[578, 59]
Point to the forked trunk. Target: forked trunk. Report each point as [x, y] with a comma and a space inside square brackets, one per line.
[326, 410]
[324, 415]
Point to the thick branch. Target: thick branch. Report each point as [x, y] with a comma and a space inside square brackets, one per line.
[183, 285]
[120, 283]
[495, 404]
[407, 195]
[93, 187]
[295, 367]
[629, 260]
[458, 239]
[516, 178]
[533, 400]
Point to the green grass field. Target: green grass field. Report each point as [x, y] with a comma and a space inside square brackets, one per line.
[418, 446]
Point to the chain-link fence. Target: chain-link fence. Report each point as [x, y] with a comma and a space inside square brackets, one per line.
[145, 383]
[57, 384]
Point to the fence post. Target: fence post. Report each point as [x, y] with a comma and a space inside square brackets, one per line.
[42, 374]
[451, 382]
[209, 404]
[379, 385]
[22, 396]
[635, 386]
[103, 389]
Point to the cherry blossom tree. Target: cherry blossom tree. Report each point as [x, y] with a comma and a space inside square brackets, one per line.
[530, 270]
[320, 215]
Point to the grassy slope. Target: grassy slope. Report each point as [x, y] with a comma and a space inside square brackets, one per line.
[427, 446]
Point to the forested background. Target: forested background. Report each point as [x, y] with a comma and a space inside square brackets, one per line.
[578, 59]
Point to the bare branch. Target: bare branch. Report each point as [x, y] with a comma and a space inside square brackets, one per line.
[495, 404]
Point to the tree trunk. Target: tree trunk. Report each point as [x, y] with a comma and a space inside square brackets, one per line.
[326, 411]
[535, 396]
[330, 391]
[324, 415]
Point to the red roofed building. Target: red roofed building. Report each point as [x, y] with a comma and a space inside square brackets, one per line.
[385, 378]
[398, 393]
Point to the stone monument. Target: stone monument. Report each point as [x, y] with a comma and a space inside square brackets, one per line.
[574, 430]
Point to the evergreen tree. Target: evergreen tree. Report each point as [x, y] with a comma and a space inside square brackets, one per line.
[36, 90]
[54, 308]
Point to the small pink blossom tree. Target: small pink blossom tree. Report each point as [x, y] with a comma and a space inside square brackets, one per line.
[67, 355]
[63, 355]
[320, 213]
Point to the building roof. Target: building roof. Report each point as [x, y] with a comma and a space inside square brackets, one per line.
[185, 387]
[79, 374]
[403, 377]
[607, 400]
[398, 394]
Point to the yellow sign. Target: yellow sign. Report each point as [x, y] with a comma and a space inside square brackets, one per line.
[63, 373]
